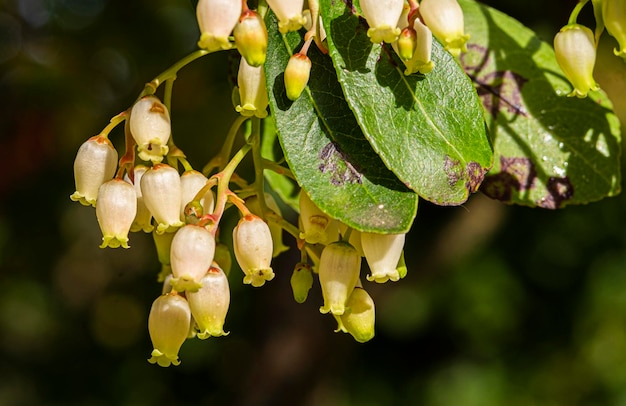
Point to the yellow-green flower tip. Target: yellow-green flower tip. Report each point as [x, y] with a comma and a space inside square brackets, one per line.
[384, 33]
[258, 277]
[163, 360]
[214, 43]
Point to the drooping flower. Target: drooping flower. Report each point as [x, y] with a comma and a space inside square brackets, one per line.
[575, 51]
[95, 163]
[168, 325]
[382, 252]
[253, 99]
[289, 13]
[143, 218]
[116, 209]
[209, 305]
[421, 60]
[276, 230]
[151, 128]
[251, 38]
[338, 274]
[445, 20]
[614, 16]
[382, 17]
[191, 256]
[161, 190]
[252, 243]
[217, 19]
[360, 317]
[297, 75]
[317, 226]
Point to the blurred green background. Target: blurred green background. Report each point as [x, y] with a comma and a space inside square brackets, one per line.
[502, 305]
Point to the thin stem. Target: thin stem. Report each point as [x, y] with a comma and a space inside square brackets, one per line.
[220, 160]
[279, 169]
[114, 122]
[573, 17]
[259, 181]
[127, 162]
[167, 94]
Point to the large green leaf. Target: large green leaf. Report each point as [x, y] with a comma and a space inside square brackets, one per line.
[326, 149]
[550, 150]
[429, 130]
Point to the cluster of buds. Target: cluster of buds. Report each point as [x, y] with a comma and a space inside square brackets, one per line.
[575, 44]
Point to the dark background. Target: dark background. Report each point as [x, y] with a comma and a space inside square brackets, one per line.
[502, 305]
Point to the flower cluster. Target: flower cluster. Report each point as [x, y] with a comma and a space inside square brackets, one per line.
[575, 45]
[152, 188]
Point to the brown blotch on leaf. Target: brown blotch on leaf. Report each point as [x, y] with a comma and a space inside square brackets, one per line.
[336, 163]
[516, 174]
[559, 191]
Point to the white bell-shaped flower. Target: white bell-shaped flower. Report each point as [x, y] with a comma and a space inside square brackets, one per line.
[116, 209]
[95, 163]
[445, 19]
[339, 269]
[382, 17]
[289, 13]
[191, 183]
[317, 226]
[209, 305]
[575, 50]
[421, 60]
[382, 252]
[151, 128]
[191, 256]
[252, 243]
[161, 190]
[614, 16]
[276, 230]
[143, 218]
[253, 99]
[217, 19]
[168, 325]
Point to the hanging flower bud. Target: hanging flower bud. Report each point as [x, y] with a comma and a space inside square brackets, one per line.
[301, 282]
[360, 317]
[407, 42]
[445, 19]
[575, 51]
[276, 230]
[191, 255]
[317, 226]
[252, 91]
[161, 190]
[251, 38]
[151, 128]
[382, 17]
[252, 243]
[289, 13]
[339, 269]
[421, 60]
[116, 209]
[191, 182]
[168, 324]
[143, 218]
[614, 16]
[209, 304]
[95, 163]
[297, 75]
[216, 19]
[382, 252]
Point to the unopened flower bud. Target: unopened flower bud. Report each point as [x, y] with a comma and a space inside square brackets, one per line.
[445, 19]
[276, 230]
[209, 304]
[382, 252]
[339, 269]
[151, 128]
[575, 51]
[251, 38]
[317, 226]
[168, 324]
[143, 218]
[297, 75]
[360, 317]
[253, 99]
[382, 17]
[216, 19]
[116, 209]
[406, 43]
[614, 16]
[252, 243]
[95, 163]
[301, 282]
[161, 190]
[191, 182]
[289, 13]
[191, 255]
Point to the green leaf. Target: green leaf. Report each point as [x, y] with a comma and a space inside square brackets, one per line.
[550, 150]
[427, 129]
[326, 149]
